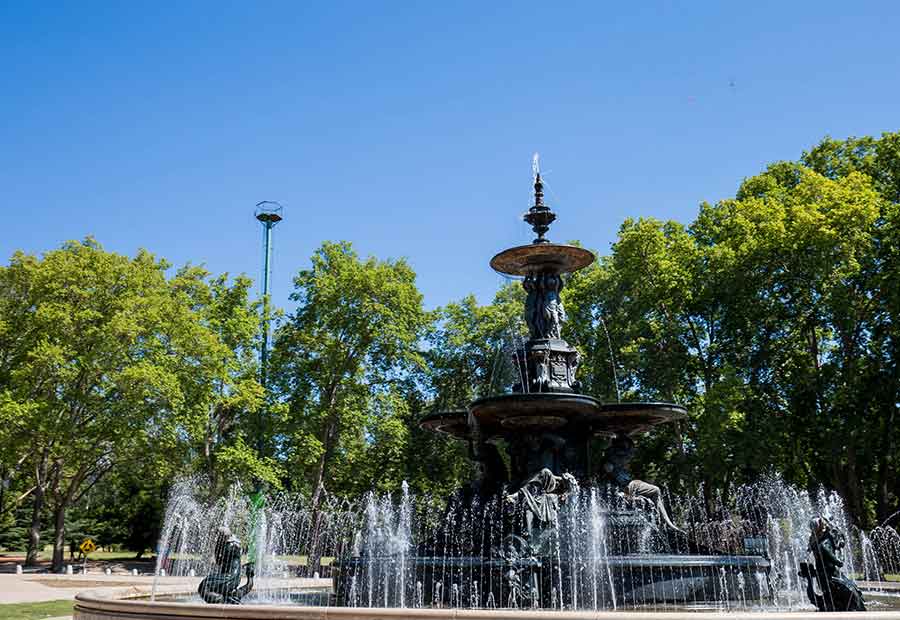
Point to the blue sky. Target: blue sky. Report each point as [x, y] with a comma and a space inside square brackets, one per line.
[408, 128]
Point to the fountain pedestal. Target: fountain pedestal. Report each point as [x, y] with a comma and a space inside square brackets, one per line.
[550, 366]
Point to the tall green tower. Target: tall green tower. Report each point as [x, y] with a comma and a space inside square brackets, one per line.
[268, 213]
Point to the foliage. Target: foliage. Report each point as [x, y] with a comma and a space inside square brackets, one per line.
[773, 317]
[337, 362]
[103, 361]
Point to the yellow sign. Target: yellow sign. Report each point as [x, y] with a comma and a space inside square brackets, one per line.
[88, 546]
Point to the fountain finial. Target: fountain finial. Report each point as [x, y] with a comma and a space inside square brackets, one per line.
[539, 216]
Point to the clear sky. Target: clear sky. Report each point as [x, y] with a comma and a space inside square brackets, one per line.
[408, 128]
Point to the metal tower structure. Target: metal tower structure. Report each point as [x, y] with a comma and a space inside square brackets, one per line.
[268, 213]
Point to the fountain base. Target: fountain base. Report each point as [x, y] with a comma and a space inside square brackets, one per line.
[626, 581]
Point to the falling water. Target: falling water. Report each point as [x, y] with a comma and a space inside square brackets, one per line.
[405, 551]
[612, 357]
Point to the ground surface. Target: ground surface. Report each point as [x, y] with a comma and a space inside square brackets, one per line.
[41, 596]
[58, 610]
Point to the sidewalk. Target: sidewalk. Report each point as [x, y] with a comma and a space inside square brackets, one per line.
[21, 589]
[37, 588]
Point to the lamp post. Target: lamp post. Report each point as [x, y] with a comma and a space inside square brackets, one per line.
[268, 213]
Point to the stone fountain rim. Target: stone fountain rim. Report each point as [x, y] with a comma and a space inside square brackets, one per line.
[119, 604]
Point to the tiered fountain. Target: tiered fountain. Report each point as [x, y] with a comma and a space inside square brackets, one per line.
[534, 450]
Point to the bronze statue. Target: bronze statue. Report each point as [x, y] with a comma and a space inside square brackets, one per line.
[537, 502]
[617, 456]
[544, 312]
[539, 498]
[223, 586]
[839, 592]
[554, 313]
[533, 306]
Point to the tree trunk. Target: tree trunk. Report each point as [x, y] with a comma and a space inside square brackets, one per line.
[885, 465]
[59, 538]
[34, 531]
[327, 443]
[845, 480]
[315, 551]
[209, 445]
[4, 481]
[319, 485]
[211, 469]
[885, 461]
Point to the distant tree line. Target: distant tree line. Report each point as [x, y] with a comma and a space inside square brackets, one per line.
[774, 317]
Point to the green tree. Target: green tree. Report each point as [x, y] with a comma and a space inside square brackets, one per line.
[799, 248]
[879, 160]
[229, 390]
[338, 360]
[773, 317]
[471, 348]
[101, 361]
[647, 321]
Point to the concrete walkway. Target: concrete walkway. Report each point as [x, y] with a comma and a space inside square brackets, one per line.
[41, 587]
[22, 589]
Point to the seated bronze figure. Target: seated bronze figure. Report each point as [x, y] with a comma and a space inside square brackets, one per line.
[839, 592]
[223, 586]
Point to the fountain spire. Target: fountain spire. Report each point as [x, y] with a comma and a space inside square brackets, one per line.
[540, 216]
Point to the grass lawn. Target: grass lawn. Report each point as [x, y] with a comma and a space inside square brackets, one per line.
[100, 555]
[886, 577]
[35, 611]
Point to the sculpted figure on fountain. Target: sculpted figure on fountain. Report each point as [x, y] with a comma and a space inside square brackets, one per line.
[554, 313]
[536, 507]
[540, 498]
[223, 585]
[618, 455]
[839, 592]
[544, 311]
[550, 363]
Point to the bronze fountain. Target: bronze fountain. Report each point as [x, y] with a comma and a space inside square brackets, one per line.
[533, 445]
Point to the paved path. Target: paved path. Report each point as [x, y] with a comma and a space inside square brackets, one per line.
[37, 588]
[21, 589]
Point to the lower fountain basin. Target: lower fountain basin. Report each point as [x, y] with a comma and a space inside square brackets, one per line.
[550, 583]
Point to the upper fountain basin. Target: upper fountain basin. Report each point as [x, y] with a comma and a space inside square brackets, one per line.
[541, 258]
